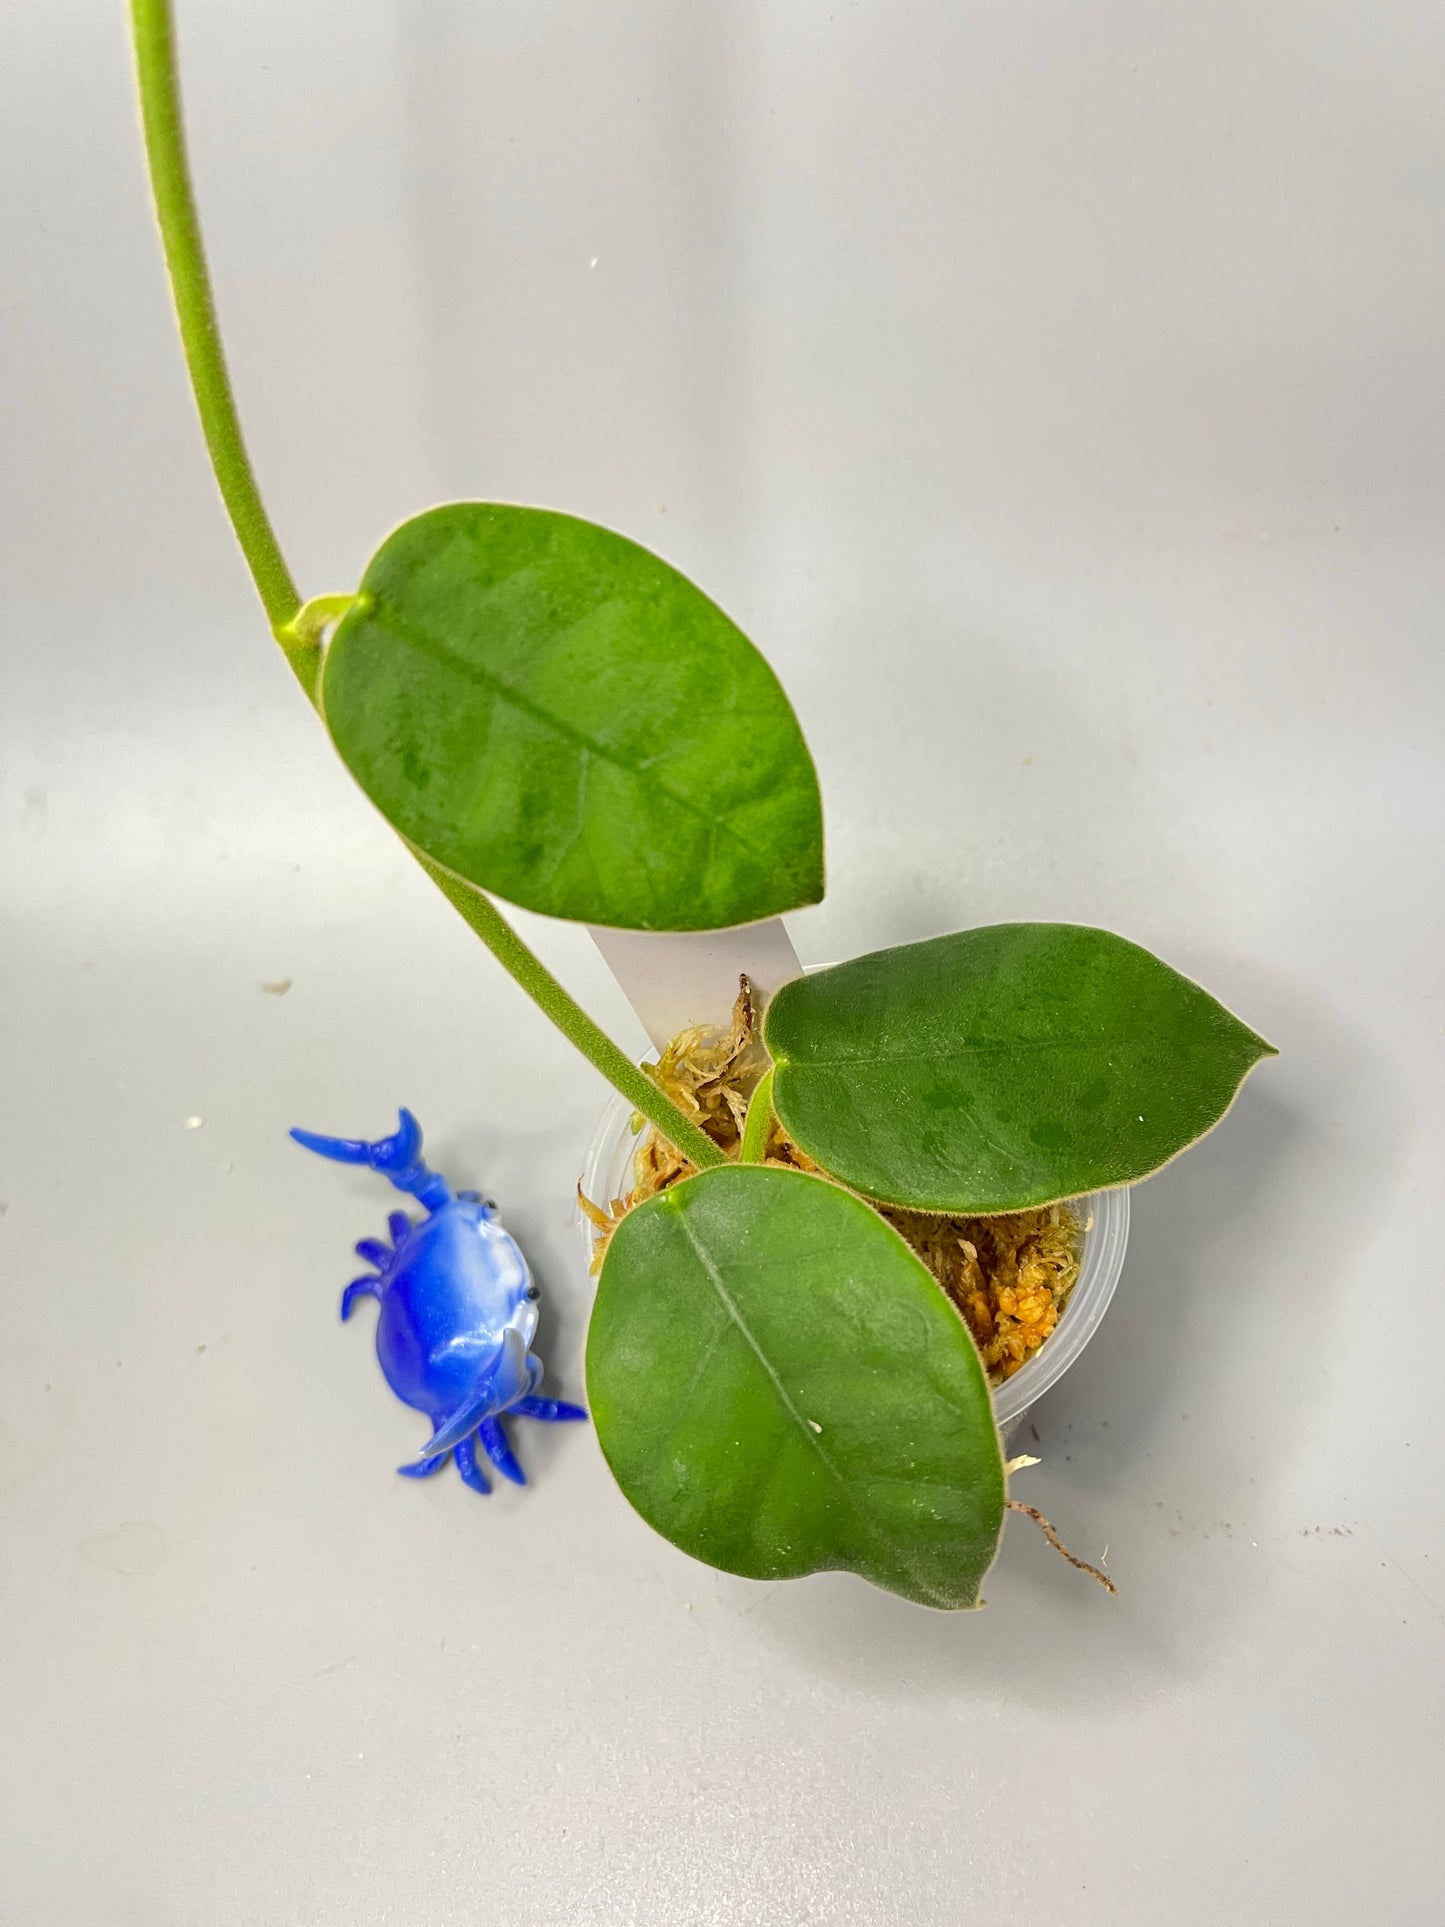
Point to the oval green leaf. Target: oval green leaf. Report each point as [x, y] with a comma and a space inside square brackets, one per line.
[556, 715]
[780, 1387]
[1002, 1068]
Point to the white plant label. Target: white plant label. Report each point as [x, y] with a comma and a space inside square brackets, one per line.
[675, 979]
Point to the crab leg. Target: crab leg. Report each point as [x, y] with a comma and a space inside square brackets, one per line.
[471, 1472]
[423, 1468]
[358, 1288]
[494, 1443]
[553, 1410]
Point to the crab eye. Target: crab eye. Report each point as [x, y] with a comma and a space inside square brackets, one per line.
[534, 1291]
[490, 1203]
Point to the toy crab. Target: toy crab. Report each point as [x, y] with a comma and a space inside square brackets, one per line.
[458, 1310]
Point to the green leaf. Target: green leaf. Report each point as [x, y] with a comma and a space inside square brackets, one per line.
[1002, 1068]
[558, 716]
[780, 1387]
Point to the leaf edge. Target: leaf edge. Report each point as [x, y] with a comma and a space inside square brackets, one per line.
[662, 1199]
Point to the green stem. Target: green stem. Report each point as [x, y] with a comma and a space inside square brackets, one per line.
[299, 630]
[758, 1124]
[570, 1018]
[160, 98]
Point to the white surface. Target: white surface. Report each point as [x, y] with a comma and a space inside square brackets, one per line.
[1055, 391]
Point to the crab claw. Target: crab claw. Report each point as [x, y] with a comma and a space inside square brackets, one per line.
[392, 1153]
[504, 1376]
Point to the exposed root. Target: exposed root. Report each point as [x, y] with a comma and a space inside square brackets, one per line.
[1079, 1565]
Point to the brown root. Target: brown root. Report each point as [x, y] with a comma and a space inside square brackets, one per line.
[1079, 1565]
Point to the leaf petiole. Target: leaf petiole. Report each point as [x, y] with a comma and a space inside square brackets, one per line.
[527, 969]
[298, 628]
[758, 1124]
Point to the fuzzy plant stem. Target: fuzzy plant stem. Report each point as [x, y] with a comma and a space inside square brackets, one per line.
[758, 1123]
[570, 1018]
[160, 98]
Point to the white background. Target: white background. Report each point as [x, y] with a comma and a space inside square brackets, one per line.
[1054, 389]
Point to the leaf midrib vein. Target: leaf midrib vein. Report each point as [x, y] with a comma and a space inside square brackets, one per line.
[805, 1430]
[956, 1051]
[386, 618]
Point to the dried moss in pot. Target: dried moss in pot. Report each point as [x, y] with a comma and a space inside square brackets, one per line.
[1009, 1275]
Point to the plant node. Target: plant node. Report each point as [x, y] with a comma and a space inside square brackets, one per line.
[314, 618]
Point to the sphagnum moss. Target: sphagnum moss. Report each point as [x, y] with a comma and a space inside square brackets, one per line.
[1009, 1276]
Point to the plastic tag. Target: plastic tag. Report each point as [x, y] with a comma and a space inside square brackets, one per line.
[675, 979]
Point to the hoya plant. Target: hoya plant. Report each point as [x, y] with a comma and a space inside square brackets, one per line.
[550, 716]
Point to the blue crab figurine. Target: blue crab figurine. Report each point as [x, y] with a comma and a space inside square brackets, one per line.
[458, 1310]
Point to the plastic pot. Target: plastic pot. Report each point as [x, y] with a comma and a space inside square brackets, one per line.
[608, 1175]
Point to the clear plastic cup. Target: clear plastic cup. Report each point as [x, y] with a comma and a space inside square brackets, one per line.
[608, 1175]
